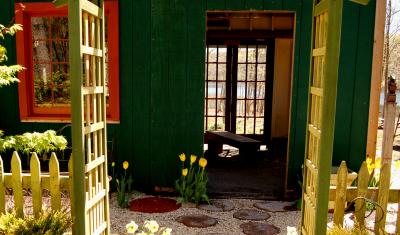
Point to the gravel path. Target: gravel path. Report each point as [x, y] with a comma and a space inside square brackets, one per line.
[226, 223]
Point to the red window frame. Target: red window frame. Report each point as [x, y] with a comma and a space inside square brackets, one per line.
[28, 111]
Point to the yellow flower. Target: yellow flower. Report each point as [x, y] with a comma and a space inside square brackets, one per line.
[112, 164]
[184, 172]
[371, 168]
[182, 157]
[369, 161]
[125, 165]
[378, 163]
[203, 162]
[192, 159]
[397, 165]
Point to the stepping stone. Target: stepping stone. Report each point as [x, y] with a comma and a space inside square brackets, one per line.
[254, 228]
[251, 214]
[272, 206]
[217, 206]
[197, 221]
[225, 205]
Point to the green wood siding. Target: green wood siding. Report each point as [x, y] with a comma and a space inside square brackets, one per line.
[162, 83]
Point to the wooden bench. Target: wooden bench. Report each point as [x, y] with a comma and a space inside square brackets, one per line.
[216, 139]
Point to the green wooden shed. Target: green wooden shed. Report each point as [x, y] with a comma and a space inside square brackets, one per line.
[159, 60]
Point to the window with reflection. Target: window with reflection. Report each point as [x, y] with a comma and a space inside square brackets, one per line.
[43, 49]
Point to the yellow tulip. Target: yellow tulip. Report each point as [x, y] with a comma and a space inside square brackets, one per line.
[370, 168]
[182, 157]
[125, 165]
[369, 160]
[192, 159]
[184, 172]
[397, 165]
[203, 162]
[112, 164]
[378, 163]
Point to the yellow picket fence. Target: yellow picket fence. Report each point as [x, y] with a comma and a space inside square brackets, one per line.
[36, 181]
[341, 194]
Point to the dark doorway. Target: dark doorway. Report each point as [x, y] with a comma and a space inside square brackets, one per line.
[241, 98]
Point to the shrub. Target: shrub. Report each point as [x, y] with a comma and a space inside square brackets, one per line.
[47, 223]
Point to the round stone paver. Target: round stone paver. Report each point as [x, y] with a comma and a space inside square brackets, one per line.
[272, 206]
[217, 206]
[251, 214]
[253, 228]
[225, 205]
[197, 221]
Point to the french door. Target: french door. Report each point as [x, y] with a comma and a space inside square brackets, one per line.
[238, 94]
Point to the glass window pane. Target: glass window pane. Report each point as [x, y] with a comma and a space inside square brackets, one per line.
[221, 54]
[260, 90]
[239, 125]
[220, 124]
[259, 126]
[212, 72]
[242, 54]
[60, 51]
[221, 107]
[241, 73]
[59, 28]
[212, 89]
[211, 125]
[262, 54]
[62, 68]
[260, 105]
[261, 71]
[251, 90]
[251, 72]
[212, 54]
[211, 107]
[40, 28]
[249, 126]
[240, 108]
[41, 51]
[221, 90]
[251, 54]
[221, 72]
[42, 84]
[241, 89]
[249, 107]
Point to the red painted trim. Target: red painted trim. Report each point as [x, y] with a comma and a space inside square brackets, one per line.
[113, 57]
[23, 13]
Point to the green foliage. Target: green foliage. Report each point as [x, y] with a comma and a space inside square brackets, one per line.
[123, 186]
[8, 73]
[41, 143]
[192, 185]
[47, 223]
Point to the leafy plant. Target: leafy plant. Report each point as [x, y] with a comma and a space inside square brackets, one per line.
[148, 227]
[47, 223]
[192, 184]
[41, 143]
[8, 72]
[124, 187]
